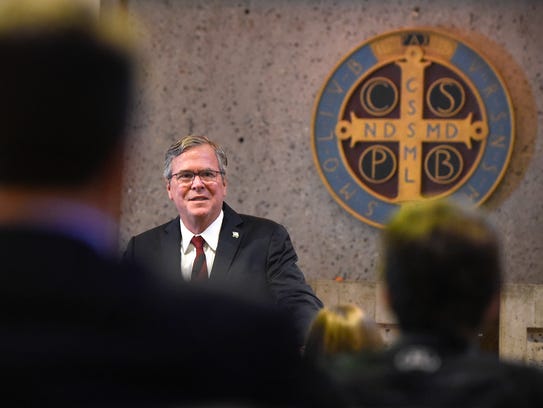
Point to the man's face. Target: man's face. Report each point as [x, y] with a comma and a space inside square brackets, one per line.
[198, 203]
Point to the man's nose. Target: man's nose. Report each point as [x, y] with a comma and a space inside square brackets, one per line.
[197, 182]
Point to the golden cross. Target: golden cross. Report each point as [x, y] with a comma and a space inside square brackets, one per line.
[411, 130]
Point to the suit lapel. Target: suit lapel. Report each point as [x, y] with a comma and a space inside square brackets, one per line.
[171, 249]
[229, 240]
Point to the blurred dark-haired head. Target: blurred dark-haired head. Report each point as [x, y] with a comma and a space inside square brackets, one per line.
[65, 85]
[441, 265]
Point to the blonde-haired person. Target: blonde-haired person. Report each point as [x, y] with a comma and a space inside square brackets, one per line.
[341, 329]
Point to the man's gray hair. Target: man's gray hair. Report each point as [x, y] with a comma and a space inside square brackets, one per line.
[188, 142]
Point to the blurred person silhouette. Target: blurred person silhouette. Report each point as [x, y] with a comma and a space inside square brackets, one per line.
[246, 255]
[77, 328]
[341, 329]
[442, 272]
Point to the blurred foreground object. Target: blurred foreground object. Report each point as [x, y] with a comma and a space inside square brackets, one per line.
[341, 329]
[78, 329]
[442, 271]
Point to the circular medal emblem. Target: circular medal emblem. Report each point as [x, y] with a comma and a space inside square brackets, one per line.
[411, 115]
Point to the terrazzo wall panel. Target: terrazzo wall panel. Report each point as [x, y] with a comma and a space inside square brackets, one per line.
[247, 74]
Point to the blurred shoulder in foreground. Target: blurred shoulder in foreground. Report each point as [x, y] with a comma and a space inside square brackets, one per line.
[77, 327]
[442, 272]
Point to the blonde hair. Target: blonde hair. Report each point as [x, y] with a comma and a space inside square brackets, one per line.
[342, 328]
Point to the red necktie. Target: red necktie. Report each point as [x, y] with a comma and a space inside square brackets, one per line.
[199, 267]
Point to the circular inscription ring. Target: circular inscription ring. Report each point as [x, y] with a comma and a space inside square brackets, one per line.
[411, 115]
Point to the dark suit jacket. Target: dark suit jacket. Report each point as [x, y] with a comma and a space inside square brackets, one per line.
[435, 371]
[255, 258]
[79, 329]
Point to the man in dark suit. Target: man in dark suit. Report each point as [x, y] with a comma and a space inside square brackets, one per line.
[442, 274]
[248, 255]
[77, 328]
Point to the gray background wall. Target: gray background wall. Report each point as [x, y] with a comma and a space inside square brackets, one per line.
[246, 73]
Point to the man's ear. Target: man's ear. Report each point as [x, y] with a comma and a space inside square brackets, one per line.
[382, 293]
[169, 189]
[383, 302]
[492, 311]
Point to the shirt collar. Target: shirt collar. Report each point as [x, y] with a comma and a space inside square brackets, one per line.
[210, 234]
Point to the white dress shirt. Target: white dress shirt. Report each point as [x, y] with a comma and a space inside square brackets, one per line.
[188, 251]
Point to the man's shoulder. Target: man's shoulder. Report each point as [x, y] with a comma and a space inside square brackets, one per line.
[146, 248]
[403, 361]
[262, 226]
[522, 374]
[486, 375]
[468, 379]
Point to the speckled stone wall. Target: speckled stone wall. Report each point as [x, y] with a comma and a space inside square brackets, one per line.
[247, 73]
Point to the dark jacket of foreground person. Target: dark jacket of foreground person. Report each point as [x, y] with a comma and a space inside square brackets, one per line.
[78, 329]
[429, 371]
[442, 273]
